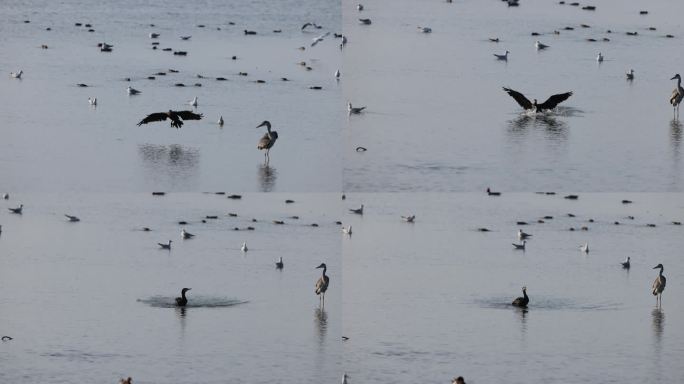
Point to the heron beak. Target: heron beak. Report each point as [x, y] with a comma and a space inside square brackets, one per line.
[261, 125]
[674, 77]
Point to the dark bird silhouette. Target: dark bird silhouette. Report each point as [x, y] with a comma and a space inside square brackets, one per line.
[659, 285]
[176, 117]
[626, 263]
[279, 264]
[322, 283]
[19, 210]
[550, 103]
[182, 301]
[268, 139]
[522, 301]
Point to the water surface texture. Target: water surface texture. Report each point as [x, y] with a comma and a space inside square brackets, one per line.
[428, 301]
[53, 139]
[93, 301]
[438, 120]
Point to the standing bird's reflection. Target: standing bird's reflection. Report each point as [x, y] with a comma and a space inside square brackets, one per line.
[267, 177]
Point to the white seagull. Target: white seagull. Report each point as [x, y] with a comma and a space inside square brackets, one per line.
[540, 46]
[584, 248]
[347, 231]
[354, 110]
[244, 247]
[522, 235]
[17, 75]
[220, 121]
[132, 91]
[186, 235]
[503, 57]
[337, 74]
[194, 102]
[92, 101]
[409, 219]
[599, 57]
[320, 38]
[72, 219]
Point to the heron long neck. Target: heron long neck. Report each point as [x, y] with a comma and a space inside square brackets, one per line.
[324, 269]
[661, 270]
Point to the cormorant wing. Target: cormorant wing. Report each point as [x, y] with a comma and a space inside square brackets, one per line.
[554, 100]
[159, 116]
[188, 115]
[520, 98]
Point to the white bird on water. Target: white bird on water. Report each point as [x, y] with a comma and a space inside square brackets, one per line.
[503, 57]
[244, 247]
[584, 247]
[347, 230]
[425, 29]
[540, 46]
[409, 219]
[337, 74]
[220, 121]
[599, 57]
[194, 102]
[522, 235]
[186, 235]
[17, 75]
[359, 7]
[132, 91]
[92, 101]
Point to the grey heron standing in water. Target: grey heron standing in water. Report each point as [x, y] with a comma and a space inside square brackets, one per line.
[267, 141]
[659, 285]
[677, 95]
[322, 284]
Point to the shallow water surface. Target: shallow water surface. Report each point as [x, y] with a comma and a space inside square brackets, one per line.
[431, 300]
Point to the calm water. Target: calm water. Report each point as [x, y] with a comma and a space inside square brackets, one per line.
[428, 301]
[53, 140]
[89, 301]
[437, 119]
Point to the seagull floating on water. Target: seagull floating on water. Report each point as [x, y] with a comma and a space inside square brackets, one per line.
[630, 74]
[17, 75]
[358, 211]
[425, 29]
[185, 37]
[503, 57]
[279, 264]
[359, 7]
[337, 74]
[92, 101]
[550, 103]
[244, 247]
[522, 235]
[165, 246]
[409, 219]
[354, 110]
[132, 91]
[194, 102]
[347, 231]
[154, 35]
[220, 121]
[365, 21]
[520, 246]
[599, 57]
[626, 264]
[72, 219]
[186, 235]
[17, 210]
[584, 248]
[540, 46]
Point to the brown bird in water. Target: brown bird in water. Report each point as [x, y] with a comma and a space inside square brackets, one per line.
[176, 117]
[268, 140]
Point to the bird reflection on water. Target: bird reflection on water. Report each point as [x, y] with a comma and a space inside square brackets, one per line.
[267, 176]
[321, 320]
[555, 128]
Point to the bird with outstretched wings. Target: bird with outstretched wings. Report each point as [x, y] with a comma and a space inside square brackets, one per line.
[176, 117]
[550, 103]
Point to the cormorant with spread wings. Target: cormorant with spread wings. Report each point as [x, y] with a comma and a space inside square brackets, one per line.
[550, 103]
[176, 117]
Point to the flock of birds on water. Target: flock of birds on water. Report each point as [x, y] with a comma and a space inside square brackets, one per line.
[177, 118]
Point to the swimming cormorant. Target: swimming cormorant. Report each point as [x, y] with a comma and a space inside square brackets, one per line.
[182, 301]
[522, 301]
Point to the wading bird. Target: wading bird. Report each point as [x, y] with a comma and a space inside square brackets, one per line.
[549, 104]
[182, 300]
[677, 94]
[176, 117]
[267, 140]
[522, 301]
[659, 285]
[322, 284]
